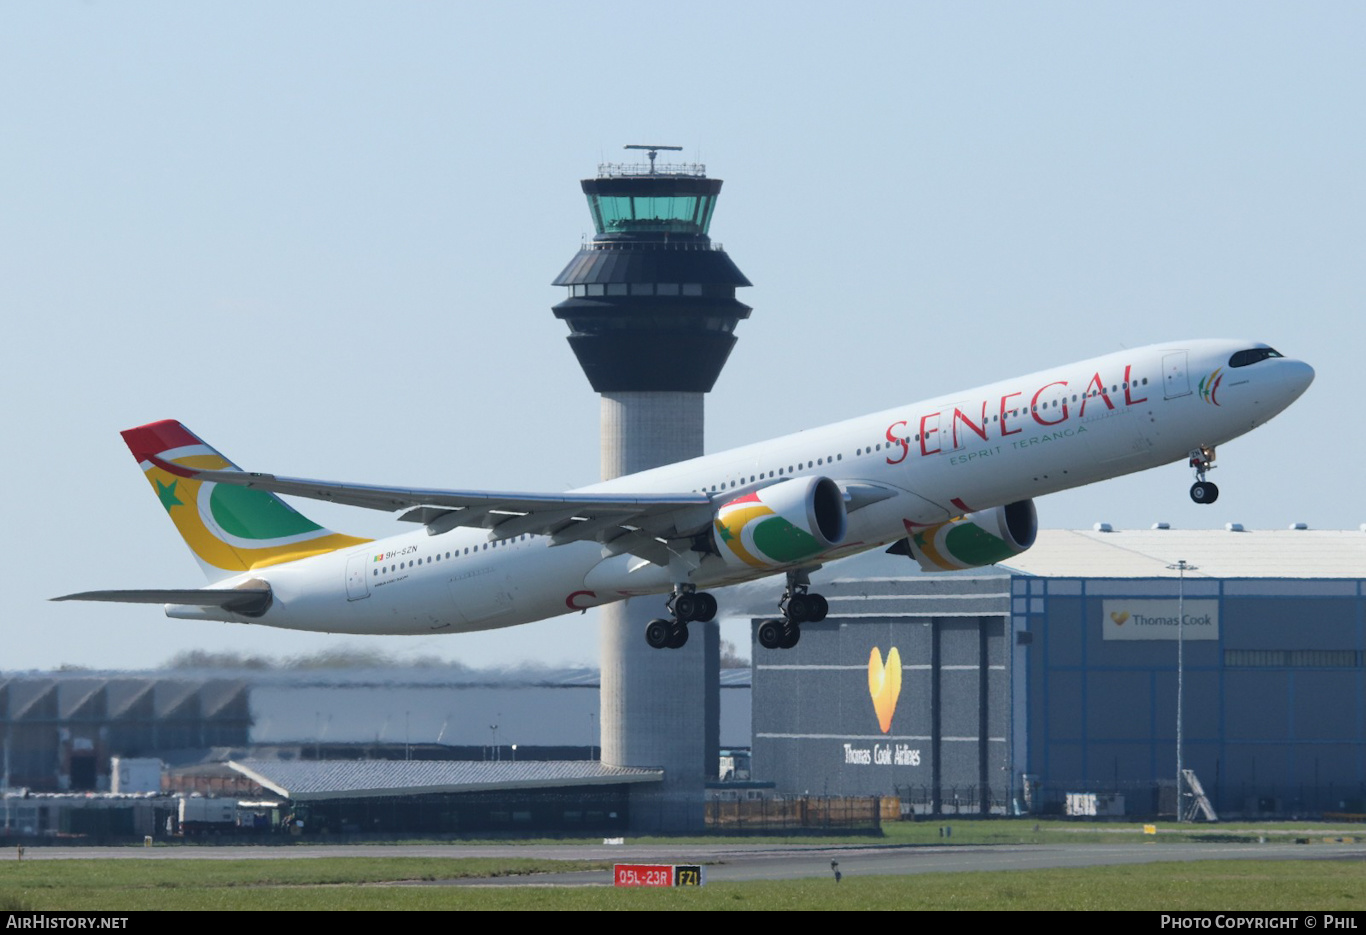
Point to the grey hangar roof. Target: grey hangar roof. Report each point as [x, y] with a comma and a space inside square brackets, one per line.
[342, 779]
[1223, 553]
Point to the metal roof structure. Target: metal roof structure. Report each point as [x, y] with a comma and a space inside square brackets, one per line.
[303, 781]
[118, 695]
[1222, 553]
[232, 708]
[220, 686]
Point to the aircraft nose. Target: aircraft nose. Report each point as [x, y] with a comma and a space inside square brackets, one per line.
[1298, 376]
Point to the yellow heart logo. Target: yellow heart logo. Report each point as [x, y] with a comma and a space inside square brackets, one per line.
[884, 685]
[1119, 617]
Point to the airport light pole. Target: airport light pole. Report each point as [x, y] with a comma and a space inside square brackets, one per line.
[1180, 568]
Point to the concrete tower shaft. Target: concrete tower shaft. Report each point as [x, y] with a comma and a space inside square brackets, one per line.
[658, 707]
[641, 430]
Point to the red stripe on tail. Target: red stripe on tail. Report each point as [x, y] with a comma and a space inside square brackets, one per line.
[156, 437]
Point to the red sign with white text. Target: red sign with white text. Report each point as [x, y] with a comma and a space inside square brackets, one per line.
[656, 875]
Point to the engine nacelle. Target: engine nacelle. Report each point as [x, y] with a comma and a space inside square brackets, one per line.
[782, 523]
[982, 538]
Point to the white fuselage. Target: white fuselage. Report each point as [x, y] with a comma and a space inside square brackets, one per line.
[967, 451]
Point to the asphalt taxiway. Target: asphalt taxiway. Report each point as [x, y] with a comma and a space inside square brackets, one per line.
[736, 862]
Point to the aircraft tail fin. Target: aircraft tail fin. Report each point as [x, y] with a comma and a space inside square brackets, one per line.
[229, 529]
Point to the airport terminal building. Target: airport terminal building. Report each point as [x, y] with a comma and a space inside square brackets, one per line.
[1003, 690]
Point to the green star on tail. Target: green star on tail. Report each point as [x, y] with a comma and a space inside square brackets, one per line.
[166, 494]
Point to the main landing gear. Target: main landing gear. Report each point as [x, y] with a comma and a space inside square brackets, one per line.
[1202, 460]
[686, 605]
[799, 605]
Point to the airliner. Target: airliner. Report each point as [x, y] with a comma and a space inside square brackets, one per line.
[949, 482]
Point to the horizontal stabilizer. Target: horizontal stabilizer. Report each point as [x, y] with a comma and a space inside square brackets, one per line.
[250, 602]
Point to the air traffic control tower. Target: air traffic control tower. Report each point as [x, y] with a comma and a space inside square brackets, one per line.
[652, 313]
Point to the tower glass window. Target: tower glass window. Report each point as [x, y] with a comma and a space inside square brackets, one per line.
[683, 214]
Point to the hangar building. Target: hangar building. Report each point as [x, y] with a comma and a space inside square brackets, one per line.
[1003, 689]
[60, 730]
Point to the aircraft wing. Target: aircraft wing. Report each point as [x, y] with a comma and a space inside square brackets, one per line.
[635, 523]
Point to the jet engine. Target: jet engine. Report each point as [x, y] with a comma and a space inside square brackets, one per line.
[982, 538]
[782, 523]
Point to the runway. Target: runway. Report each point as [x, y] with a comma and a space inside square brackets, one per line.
[741, 862]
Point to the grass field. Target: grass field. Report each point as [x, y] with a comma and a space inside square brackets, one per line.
[395, 883]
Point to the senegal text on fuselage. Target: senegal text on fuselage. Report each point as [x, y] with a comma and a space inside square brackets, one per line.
[933, 436]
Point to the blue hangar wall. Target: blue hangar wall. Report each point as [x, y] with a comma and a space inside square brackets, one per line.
[1275, 689]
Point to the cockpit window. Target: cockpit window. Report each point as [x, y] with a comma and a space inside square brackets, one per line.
[1252, 355]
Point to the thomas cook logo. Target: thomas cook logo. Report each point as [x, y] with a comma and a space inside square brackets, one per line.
[1119, 617]
[1209, 386]
[884, 685]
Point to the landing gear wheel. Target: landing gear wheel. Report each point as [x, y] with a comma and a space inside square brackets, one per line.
[678, 636]
[819, 607]
[799, 609]
[1204, 492]
[771, 634]
[1202, 462]
[791, 634]
[686, 607]
[657, 633]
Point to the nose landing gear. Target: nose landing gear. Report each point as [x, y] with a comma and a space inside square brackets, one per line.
[1202, 460]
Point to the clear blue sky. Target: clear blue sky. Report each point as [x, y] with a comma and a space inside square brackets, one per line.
[322, 235]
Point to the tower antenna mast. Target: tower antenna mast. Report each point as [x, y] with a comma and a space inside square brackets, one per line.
[652, 151]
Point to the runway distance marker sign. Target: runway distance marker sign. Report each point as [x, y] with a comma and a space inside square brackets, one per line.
[658, 875]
